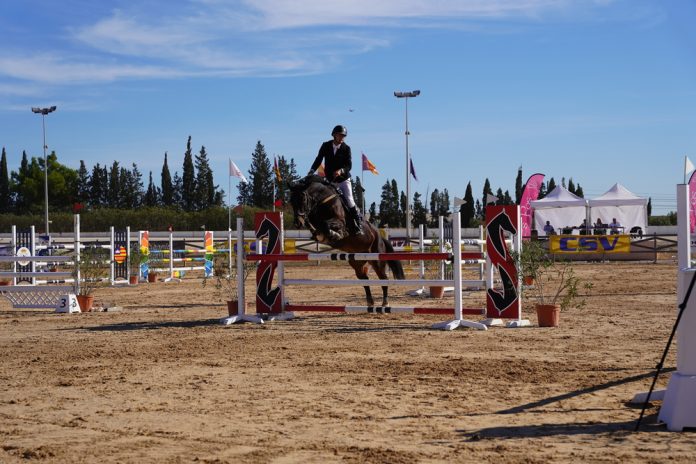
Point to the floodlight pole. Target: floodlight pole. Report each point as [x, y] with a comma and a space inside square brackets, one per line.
[43, 112]
[406, 96]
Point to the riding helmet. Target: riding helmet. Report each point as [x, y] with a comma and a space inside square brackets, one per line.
[339, 130]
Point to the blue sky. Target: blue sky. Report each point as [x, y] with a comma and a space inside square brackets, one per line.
[601, 91]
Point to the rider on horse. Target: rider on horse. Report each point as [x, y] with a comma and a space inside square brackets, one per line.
[338, 163]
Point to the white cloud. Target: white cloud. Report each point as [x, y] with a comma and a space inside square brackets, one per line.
[245, 37]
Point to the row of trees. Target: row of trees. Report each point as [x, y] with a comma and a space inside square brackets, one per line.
[120, 187]
[114, 186]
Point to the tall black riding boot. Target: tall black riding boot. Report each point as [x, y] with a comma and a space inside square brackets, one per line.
[354, 221]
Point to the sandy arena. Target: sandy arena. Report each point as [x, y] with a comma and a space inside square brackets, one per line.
[162, 381]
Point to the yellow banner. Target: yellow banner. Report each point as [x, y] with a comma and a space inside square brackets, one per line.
[590, 244]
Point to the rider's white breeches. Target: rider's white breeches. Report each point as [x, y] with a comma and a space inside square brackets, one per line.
[347, 190]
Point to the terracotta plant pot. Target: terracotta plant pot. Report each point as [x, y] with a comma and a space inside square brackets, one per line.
[152, 277]
[85, 302]
[548, 315]
[437, 292]
[233, 307]
[133, 280]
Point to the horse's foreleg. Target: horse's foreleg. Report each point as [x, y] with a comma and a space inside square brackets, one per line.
[360, 268]
[380, 270]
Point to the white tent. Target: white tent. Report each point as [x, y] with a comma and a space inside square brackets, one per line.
[620, 203]
[561, 208]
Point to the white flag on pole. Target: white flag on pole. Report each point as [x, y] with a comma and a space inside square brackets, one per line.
[235, 172]
[688, 167]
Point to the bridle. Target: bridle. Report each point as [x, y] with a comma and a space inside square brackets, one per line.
[309, 206]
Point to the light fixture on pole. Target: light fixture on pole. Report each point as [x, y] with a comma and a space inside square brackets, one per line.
[406, 96]
[43, 112]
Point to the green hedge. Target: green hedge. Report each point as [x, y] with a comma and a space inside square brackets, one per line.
[154, 219]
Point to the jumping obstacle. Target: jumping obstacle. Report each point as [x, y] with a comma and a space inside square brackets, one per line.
[271, 303]
[23, 243]
[678, 408]
[174, 255]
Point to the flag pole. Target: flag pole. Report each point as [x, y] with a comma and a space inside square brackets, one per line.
[229, 200]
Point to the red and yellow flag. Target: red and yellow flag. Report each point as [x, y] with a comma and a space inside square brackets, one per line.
[279, 178]
[321, 171]
[368, 166]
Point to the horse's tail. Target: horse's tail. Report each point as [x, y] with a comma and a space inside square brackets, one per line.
[397, 269]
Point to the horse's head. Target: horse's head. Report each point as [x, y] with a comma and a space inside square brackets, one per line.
[300, 200]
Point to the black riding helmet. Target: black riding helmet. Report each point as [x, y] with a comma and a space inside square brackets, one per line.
[339, 130]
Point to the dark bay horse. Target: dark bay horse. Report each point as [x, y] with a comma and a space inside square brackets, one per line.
[317, 205]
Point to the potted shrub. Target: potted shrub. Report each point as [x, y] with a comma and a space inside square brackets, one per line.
[555, 283]
[135, 260]
[432, 268]
[92, 266]
[225, 282]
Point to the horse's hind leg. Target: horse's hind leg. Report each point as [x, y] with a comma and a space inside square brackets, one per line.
[360, 268]
[380, 270]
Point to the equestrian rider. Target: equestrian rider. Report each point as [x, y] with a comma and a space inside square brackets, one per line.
[338, 163]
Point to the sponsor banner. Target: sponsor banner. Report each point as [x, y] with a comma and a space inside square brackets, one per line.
[561, 244]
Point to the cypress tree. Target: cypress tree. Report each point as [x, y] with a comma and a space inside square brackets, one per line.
[114, 188]
[151, 193]
[486, 191]
[550, 186]
[188, 180]
[166, 184]
[83, 184]
[96, 187]
[519, 188]
[177, 187]
[468, 210]
[5, 198]
[358, 193]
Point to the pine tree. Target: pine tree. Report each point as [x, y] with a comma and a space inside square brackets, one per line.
[205, 185]
[374, 217]
[388, 207]
[479, 210]
[507, 199]
[420, 214]
[166, 184]
[97, 187]
[486, 191]
[177, 187]
[5, 197]
[542, 191]
[21, 185]
[260, 178]
[519, 188]
[83, 184]
[134, 187]
[188, 180]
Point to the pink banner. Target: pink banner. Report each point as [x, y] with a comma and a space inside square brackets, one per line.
[531, 193]
[692, 202]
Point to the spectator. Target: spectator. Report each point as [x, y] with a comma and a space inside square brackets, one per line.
[615, 226]
[549, 229]
[599, 227]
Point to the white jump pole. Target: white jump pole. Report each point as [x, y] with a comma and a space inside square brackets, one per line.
[457, 263]
[241, 315]
[679, 408]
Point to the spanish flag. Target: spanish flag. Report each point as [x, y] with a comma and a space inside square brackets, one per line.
[368, 166]
[279, 178]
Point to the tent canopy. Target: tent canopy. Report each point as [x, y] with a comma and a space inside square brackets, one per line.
[618, 195]
[621, 204]
[561, 208]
